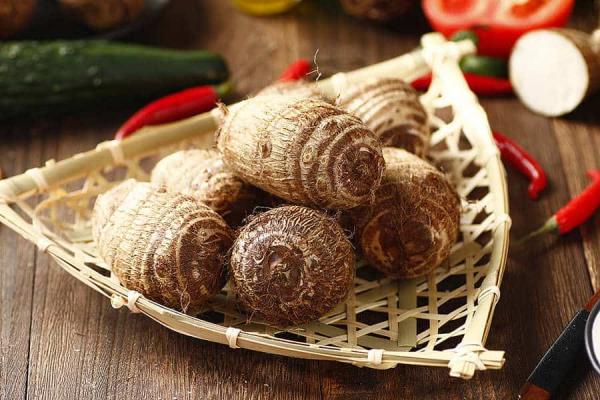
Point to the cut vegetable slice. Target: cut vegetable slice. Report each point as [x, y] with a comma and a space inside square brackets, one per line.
[497, 23]
[549, 70]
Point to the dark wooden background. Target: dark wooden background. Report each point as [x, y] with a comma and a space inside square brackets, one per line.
[60, 340]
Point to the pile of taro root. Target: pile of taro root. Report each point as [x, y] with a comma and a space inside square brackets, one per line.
[298, 189]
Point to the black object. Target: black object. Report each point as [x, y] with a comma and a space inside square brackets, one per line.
[562, 355]
[589, 338]
[558, 360]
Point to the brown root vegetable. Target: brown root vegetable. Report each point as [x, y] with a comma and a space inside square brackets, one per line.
[303, 150]
[378, 10]
[202, 175]
[300, 88]
[414, 222]
[103, 14]
[392, 109]
[554, 70]
[291, 265]
[169, 247]
[15, 15]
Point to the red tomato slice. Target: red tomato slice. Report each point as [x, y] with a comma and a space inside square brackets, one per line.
[453, 15]
[498, 23]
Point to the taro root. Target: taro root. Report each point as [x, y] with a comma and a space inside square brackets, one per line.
[299, 88]
[554, 70]
[103, 14]
[303, 150]
[15, 15]
[202, 175]
[414, 221]
[167, 246]
[392, 109]
[291, 265]
[378, 10]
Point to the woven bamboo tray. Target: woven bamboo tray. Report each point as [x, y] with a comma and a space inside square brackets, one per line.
[441, 320]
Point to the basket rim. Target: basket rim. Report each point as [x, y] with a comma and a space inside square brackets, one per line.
[434, 52]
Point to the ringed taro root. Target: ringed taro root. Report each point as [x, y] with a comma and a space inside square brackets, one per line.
[303, 150]
[291, 265]
[15, 15]
[391, 108]
[169, 247]
[414, 221]
[378, 10]
[103, 14]
[202, 175]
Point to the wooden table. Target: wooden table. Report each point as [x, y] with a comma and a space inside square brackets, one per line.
[60, 340]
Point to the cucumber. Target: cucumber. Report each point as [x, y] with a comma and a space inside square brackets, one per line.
[62, 76]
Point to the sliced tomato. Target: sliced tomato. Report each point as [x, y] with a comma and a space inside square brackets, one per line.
[498, 23]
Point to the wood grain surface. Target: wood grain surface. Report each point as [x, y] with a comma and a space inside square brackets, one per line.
[60, 340]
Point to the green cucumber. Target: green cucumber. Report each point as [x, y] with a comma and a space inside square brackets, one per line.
[63, 76]
[484, 65]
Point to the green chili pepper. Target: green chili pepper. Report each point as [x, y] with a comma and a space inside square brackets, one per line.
[465, 35]
[484, 65]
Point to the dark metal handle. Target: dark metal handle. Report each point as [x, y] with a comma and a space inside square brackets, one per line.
[558, 360]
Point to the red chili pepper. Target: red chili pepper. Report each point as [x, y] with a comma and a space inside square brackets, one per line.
[174, 107]
[422, 83]
[524, 162]
[575, 213]
[196, 100]
[480, 84]
[295, 71]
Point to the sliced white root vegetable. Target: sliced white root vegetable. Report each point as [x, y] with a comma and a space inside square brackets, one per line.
[553, 70]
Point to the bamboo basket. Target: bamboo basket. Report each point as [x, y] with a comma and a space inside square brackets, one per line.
[440, 320]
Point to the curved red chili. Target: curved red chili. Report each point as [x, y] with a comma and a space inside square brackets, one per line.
[295, 71]
[479, 84]
[524, 162]
[174, 107]
[192, 101]
[574, 213]
[581, 207]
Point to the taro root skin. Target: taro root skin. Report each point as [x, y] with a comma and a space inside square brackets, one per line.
[291, 265]
[202, 175]
[392, 109]
[378, 10]
[15, 15]
[303, 150]
[414, 221]
[103, 14]
[169, 247]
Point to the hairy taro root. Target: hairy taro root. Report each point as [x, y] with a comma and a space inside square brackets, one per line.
[169, 247]
[291, 265]
[202, 175]
[103, 14]
[378, 10]
[15, 15]
[414, 222]
[303, 150]
[392, 109]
